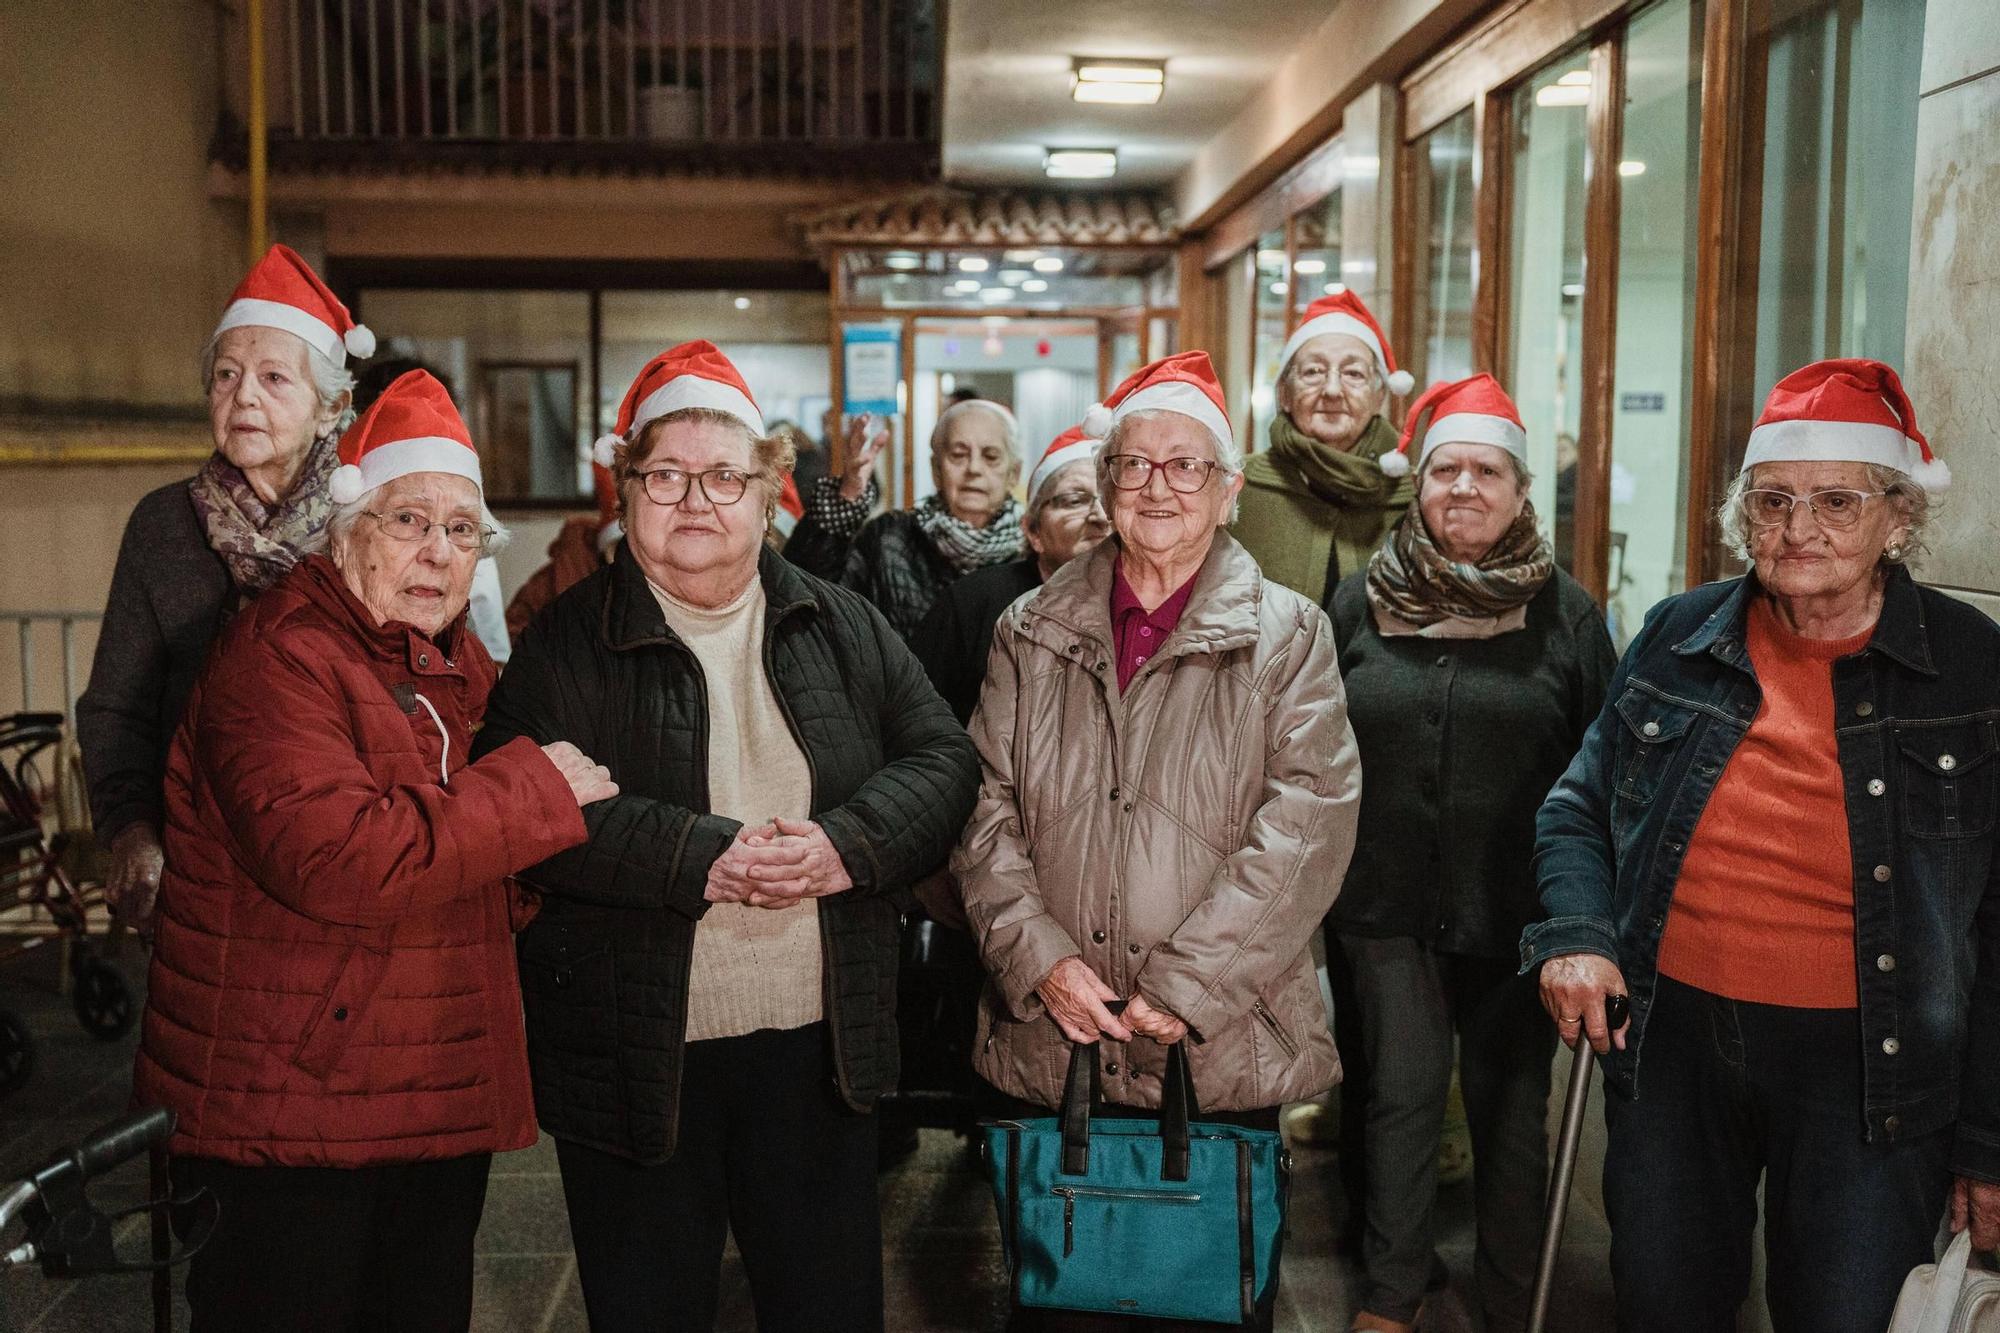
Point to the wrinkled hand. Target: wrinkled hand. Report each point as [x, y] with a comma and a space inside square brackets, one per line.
[859, 457]
[729, 874]
[779, 865]
[132, 885]
[1976, 1203]
[1158, 1024]
[1574, 986]
[588, 780]
[1075, 997]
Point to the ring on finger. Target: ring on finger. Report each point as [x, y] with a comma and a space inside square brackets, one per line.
[1572, 1018]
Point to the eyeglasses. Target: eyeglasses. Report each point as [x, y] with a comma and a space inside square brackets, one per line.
[721, 485]
[1356, 378]
[1832, 509]
[1069, 501]
[1130, 472]
[408, 526]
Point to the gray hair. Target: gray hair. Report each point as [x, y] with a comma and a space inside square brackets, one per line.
[329, 380]
[1010, 428]
[344, 517]
[1895, 485]
[1229, 455]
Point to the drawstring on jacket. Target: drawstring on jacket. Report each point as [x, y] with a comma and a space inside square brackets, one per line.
[444, 756]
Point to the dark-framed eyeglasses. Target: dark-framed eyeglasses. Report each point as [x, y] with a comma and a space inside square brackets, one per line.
[1133, 472]
[722, 485]
[1836, 508]
[406, 525]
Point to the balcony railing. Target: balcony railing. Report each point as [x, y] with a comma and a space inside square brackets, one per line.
[744, 83]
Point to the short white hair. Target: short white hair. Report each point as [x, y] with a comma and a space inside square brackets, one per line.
[329, 380]
[1009, 427]
[1896, 487]
[346, 516]
[1229, 455]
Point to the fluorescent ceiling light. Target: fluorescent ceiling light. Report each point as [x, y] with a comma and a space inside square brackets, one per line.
[972, 264]
[1274, 259]
[967, 285]
[1126, 82]
[1572, 290]
[1020, 256]
[1576, 78]
[1035, 285]
[1080, 163]
[1335, 288]
[902, 261]
[1631, 167]
[1049, 264]
[1277, 289]
[996, 295]
[1563, 94]
[1118, 94]
[742, 303]
[1308, 267]
[1013, 277]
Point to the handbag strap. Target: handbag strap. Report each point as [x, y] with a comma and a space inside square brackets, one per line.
[1080, 1093]
[1177, 1108]
[1082, 1090]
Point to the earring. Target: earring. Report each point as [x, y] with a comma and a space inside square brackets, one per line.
[1893, 553]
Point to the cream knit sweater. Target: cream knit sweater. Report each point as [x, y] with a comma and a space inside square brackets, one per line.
[754, 967]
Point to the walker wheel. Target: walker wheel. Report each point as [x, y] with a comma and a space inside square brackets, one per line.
[103, 1000]
[17, 1051]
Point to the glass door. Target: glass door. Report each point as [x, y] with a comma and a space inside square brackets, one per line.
[1444, 231]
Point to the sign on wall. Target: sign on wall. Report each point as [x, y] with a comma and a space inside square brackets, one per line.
[871, 368]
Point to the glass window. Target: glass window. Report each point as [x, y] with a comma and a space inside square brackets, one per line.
[1549, 172]
[1237, 303]
[1443, 300]
[1316, 265]
[1272, 305]
[777, 340]
[1656, 273]
[1840, 129]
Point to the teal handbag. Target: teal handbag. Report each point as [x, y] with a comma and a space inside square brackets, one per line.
[1176, 1220]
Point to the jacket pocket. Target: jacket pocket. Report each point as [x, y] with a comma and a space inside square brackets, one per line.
[331, 1028]
[569, 986]
[1653, 731]
[1948, 776]
[1287, 1045]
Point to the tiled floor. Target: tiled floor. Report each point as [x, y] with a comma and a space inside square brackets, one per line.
[942, 1267]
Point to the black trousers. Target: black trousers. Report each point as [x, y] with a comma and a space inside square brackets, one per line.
[377, 1249]
[767, 1150]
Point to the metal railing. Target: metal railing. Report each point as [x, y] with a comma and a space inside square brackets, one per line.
[632, 71]
[25, 625]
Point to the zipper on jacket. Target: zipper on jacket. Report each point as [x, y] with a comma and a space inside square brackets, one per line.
[1069, 1194]
[1278, 1034]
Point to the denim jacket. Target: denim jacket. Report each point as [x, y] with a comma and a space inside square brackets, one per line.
[1917, 717]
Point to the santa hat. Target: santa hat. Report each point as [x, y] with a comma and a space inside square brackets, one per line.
[282, 292]
[1072, 446]
[1183, 383]
[412, 427]
[1845, 411]
[1345, 313]
[1470, 411]
[694, 374]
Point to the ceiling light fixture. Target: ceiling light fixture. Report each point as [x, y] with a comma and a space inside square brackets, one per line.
[1335, 288]
[742, 303]
[902, 261]
[967, 285]
[1035, 285]
[1049, 264]
[996, 295]
[1020, 256]
[1124, 82]
[1013, 277]
[973, 264]
[1564, 94]
[1308, 267]
[1079, 163]
[1631, 167]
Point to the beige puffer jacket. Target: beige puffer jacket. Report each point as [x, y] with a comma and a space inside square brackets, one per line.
[1184, 838]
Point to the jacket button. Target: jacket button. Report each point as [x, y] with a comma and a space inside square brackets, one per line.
[1886, 963]
[1128, 807]
[340, 1014]
[1112, 1068]
[1876, 786]
[1444, 659]
[1890, 1045]
[1097, 937]
[1947, 763]
[1131, 948]
[1881, 874]
[1650, 729]
[1074, 649]
[1114, 793]
[423, 659]
[1864, 709]
[1890, 1124]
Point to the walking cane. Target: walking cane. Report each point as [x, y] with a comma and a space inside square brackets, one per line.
[1615, 1010]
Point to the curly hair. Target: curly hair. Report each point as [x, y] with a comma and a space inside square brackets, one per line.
[1895, 485]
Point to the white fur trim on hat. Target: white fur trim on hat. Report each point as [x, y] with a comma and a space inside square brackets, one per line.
[1075, 452]
[1475, 428]
[399, 458]
[605, 448]
[684, 391]
[1400, 381]
[1801, 441]
[252, 312]
[360, 341]
[1184, 398]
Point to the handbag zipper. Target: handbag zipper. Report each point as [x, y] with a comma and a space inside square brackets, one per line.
[1071, 1193]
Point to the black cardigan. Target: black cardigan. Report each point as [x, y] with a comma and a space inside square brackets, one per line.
[955, 639]
[1460, 741]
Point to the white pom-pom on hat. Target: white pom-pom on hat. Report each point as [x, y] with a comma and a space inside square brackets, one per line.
[346, 485]
[1933, 475]
[1401, 382]
[1395, 463]
[605, 449]
[1097, 421]
[360, 341]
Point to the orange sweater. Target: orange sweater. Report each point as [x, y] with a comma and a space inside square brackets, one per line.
[1764, 908]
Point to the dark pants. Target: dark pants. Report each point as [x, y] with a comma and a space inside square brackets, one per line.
[377, 1249]
[766, 1150]
[1352, 1148]
[1730, 1092]
[1412, 1001]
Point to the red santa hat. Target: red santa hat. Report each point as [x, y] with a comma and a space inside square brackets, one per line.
[412, 427]
[1469, 411]
[282, 292]
[1072, 446]
[694, 374]
[1847, 410]
[1345, 313]
[1183, 383]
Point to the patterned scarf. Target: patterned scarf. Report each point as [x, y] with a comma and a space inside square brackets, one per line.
[1410, 579]
[964, 547]
[260, 544]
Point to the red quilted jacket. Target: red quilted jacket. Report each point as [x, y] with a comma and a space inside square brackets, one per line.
[333, 981]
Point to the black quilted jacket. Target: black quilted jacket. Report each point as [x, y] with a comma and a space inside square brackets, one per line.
[890, 562]
[604, 965]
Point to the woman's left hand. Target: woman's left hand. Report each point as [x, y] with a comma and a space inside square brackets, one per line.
[797, 861]
[1976, 1203]
[1147, 1021]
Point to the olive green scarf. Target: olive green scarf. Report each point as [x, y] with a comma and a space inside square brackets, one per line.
[1341, 478]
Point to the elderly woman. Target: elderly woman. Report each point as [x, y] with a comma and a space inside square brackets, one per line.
[1460, 641]
[1315, 504]
[711, 980]
[1781, 835]
[333, 1012]
[1169, 795]
[1065, 519]
[196, 551]
[902, 561]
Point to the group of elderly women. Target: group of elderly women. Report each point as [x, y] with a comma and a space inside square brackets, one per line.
[679, 834]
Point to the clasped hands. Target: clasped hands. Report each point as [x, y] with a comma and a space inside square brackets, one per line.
[1075, 997]
[777, 865]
